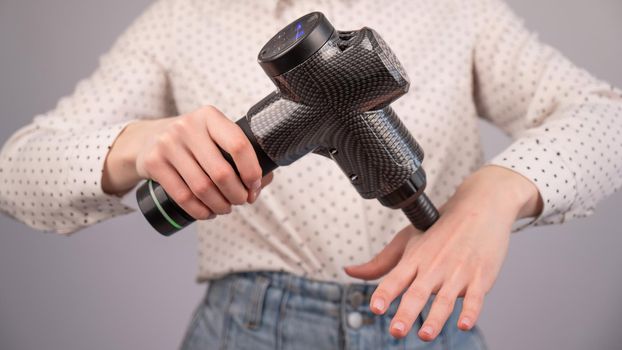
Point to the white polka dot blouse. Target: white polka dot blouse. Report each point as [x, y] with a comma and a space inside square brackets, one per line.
[466, 60]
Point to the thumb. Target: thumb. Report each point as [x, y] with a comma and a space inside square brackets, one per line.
[384, 261]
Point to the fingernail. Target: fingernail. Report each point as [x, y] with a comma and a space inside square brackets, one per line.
[426, 330]
[378, 304]
[252, 196]
[399, 326]
[465, 322]
[256, 185]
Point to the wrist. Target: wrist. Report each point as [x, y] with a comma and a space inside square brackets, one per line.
[521, 192]
[119, 173]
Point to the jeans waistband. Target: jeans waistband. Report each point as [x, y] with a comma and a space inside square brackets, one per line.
[322, 290]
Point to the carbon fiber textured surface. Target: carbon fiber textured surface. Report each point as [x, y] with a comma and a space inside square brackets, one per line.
[336, 104]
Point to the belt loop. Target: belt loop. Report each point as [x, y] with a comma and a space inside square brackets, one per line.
[254, 311]
[343, 329]
[286, 291]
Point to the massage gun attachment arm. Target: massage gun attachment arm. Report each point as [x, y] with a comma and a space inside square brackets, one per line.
[378, 154]
[412, 200]
[422, 213]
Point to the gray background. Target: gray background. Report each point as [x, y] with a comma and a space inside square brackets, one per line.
[119, 286]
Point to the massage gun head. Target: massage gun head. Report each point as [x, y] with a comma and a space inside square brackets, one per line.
[312, 63]
[333, 94]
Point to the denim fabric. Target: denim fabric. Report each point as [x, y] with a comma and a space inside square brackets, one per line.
[265, 310]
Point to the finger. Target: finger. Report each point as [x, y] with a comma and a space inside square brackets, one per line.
[265, 181]
[471, 307]
[232, 139]
[384, 261]
[441, 309]
[199, 183]
[395, 282]
[413, 301]
[211, 160]
[177, 189]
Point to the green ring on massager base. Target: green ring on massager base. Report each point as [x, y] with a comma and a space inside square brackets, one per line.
[162, 211]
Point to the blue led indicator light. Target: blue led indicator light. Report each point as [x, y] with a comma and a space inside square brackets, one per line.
[299, 31]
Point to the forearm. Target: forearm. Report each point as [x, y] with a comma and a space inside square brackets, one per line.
[573, 157]
[564, 121]
[50, 178]
[51, 170]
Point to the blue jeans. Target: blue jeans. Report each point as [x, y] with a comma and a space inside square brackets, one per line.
[270, 310]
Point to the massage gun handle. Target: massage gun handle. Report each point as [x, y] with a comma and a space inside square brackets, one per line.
[164, 214]
[422, 213]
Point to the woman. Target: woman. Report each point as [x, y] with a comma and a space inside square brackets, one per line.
[275, 261]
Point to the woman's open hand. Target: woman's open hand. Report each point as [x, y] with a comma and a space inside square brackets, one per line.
[459, 256]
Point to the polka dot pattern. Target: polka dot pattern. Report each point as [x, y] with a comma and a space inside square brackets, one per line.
[464, 59]
[566, 123]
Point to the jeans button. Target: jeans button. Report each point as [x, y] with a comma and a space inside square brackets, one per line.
[355, 320]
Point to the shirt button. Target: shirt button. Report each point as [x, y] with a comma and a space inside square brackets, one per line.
[355, 320]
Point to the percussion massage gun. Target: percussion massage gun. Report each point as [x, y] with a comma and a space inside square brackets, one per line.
[333, 94]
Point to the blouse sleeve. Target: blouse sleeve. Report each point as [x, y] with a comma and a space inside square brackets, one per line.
[566, 125]
[51, 169]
